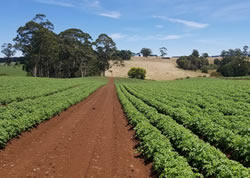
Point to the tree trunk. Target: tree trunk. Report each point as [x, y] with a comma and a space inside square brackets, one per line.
[35, 71]
[81, 73]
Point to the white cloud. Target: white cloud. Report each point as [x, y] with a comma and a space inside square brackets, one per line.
[91, 6]
[56, 2]
[188, 23]
[117, 36]
[111, 14]
[161, 37]
[171, 37]
[95, 4]
[184, 22]
[156, 37]
[159, 26]
[132, 29]
[234, 11]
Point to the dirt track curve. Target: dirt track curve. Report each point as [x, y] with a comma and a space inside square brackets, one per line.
[90, 139]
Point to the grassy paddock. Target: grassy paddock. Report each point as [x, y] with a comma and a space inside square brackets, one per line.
[11, 70]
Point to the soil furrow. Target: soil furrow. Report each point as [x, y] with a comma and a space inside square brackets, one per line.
[90, 139]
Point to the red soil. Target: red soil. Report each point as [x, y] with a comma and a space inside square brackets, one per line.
[90, 139]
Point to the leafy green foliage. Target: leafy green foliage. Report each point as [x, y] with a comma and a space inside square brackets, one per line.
[163, 51]
[217, 62]
[193, 62]
[12, 70]
[234, 63]
[136, 72]
[215, 74]
[125, 54]
[69, 54]
[154, 146]
[27, 108]
[146, 52]
[8, 50]
[195, 118]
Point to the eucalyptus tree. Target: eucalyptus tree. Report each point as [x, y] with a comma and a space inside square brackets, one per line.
[146, 52]
[163, 51]
[38, 44]
[9, 51]
[106, 51]
[76, 52]
[245, 50]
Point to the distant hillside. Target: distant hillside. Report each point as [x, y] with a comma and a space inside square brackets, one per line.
[157, 69]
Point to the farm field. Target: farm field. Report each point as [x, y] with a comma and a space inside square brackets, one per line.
[190, 128]
[25, 102]
[238, 78]
[182, 128]
[89, 139]
[11, 70]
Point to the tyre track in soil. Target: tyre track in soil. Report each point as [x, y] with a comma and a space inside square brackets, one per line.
[90, 139]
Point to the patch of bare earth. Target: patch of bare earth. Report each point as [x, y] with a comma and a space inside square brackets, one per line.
[157, 69]
[90, 139]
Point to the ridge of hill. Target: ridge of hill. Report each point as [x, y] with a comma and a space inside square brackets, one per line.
[157, 69]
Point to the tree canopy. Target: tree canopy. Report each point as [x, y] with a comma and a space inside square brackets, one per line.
[8, 50]
[193, 61]
[71, 53]
[163, 51]
[146, 52]
[234, 62]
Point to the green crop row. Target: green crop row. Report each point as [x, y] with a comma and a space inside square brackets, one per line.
[206, 158]
[21, 88]
[236, 145]
[20, 116]
[239, 124]
[155, 146]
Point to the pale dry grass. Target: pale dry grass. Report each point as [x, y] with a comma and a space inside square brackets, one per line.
[157, 69]
[211, 59]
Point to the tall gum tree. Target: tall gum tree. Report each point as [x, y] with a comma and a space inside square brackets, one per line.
[76, 51]
[8, 50]
[37, 41]
[106, 51]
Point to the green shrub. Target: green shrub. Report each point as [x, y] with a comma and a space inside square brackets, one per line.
[216, 74]
[204, 69]
[217, 62]
[193, 61]
[234, 63]
[136, 72]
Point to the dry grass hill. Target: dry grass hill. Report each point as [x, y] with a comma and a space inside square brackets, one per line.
[157, 69]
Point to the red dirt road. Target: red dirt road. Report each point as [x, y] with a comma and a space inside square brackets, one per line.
[91, 139]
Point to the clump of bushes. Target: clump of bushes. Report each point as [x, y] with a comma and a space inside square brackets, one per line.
[125, 54]
[234, 63]
[193, 61]
[206, 68]
[136, 72]
[216, 74]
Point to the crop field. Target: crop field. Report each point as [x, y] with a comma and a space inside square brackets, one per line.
[191, 128]
[12, 70]
[25, 102]
[183, 128]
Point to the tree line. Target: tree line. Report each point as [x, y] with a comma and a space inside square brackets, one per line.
[233, 62]
[71, 53]
[148, 52]
[193, 61]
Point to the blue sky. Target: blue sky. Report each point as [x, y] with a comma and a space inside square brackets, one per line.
[180, 25]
